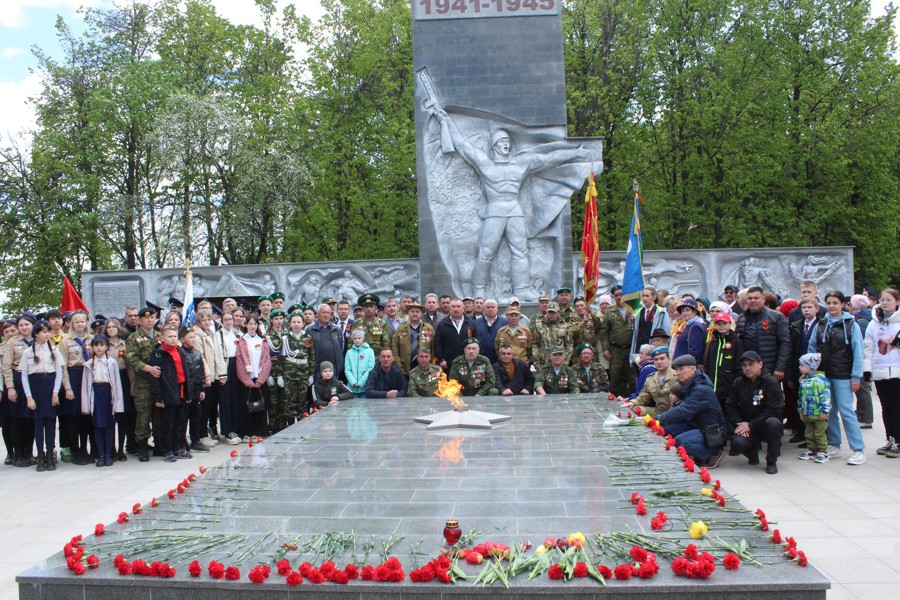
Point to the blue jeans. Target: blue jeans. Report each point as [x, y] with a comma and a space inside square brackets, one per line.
[842, 401]
[691, 438]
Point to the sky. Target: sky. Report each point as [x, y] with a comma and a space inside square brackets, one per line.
[28, 23]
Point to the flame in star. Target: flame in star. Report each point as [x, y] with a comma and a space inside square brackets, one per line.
[450, 390]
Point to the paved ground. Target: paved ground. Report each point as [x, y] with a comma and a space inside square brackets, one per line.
[844, 517]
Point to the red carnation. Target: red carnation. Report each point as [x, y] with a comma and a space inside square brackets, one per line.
[759, 513]
[99, 529]
[635, 497]
[339, 577]
[717, 485]
[622, 572]
[637, 410]
[119, 559]
[154, 502]
[180, 488]
[368, 573]
[216, 570]
[123, 517]
[648, 569]
[580, 570]
[327, 568]
[294, 579]
[638, 554]
[124, 568]
[136, 509]
[202, 469]
[170, 494]
[68, 550]
[93, 562]
[139, 567]
[604, 571]
[656, 524]
[315, 576]
[555, 572]
[352, 571]
[305, 568]
[78, 568]
[790, 542]
[283, 566]
[704, 475]
[731, 561]
[232, 573]
[691, 553]
[801, 559]
[195, 569]
[775, 537]
[257, 575]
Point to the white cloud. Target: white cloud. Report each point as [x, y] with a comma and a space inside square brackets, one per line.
[245, 12]
[17, 118]
[10, 52]
[14, 11]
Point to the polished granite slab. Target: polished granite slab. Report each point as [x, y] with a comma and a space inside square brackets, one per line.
[365, 469]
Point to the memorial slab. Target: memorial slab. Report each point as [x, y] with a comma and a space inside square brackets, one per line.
[361, 481]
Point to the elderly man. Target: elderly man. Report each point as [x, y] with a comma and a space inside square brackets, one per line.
[487, 326]
[696, 421]
[653, 398]
[550, 331]
[327, 341]
[392, 317]
[424, 376]
[557, 377]
[692, 339]
[513, 301]
[515, 335]
[765, 331]
[410, 336]
[616, 331]
[474, 371]
[513, 375]
[451, 333]
[754, 409]
[592, 377]
[386, 380]
[432, 315]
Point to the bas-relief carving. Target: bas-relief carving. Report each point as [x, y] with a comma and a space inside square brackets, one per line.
[780, 270]
[497, 191]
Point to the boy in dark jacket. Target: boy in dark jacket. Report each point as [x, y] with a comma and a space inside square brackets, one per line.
[170, 390]
[754, 410]
[722, 356]
[193, 410]
[328, 389]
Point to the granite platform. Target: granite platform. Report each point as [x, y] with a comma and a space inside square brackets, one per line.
[360, 481]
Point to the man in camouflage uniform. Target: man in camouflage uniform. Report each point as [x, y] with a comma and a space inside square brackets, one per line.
[424, 377]
[138, 348]
[377, 335]
[474, 371]
[585, 326]
[411, 336]
[653, 398]
[564, 299]
[275, 382]
[616, 331]
[543, 305]
[549, 331]
[557, 377]
[299, 361]
[592, 377]
[277, 301]
[515, 335]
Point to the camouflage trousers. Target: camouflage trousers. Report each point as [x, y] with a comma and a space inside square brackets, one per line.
[145, 413]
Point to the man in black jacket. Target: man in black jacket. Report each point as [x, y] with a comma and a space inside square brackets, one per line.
[698, 410]
[328, 342]
[513, 376]
[754, 409]
[451, 333]
[386, 380]
[765, 331]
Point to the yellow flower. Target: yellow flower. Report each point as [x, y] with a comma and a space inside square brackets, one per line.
[578, 537]
[705, 492]
[647, 418]
[540, 550]
[698, 529]
[657, 423]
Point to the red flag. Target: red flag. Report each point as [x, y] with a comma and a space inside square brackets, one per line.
[590, 243]
[70, 298]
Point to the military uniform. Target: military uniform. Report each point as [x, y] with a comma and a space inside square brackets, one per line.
[564, 382]
[137, 353]
[402, 344]
[584, 330]
[519, 341]
[275, 403]
[615, 335]
[376, 331]
[423, 383]
[299, 361]
[546, 335]
[654, 396]
[592, 379]
[477, 379]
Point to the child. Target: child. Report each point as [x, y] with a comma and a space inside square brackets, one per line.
[359, 361]
[328, 390]
[41, 367]
[676, 394]
[101, 398]
[299, 358]
[253, 364]
[193, 413]
[814, 404]
[75, 428]
[170, 391]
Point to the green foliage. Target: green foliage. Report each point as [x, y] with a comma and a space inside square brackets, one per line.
[167, 132]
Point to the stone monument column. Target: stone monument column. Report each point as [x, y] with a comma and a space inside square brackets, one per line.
[495, 170]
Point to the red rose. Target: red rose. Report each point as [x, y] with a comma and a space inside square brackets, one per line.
[622, 572]
[123, 517]
[294, 579]
[232, 573]
[195, 569]
[555, 572]
[580, 570]
[731, 561]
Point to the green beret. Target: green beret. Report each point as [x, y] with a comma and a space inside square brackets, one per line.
[276, 313]
[328, 300]
[294, 308]
[263, 298]
[564, 290]
[584, 346]
[368, 299]
[472, 340]
[307, 307]
[277, 296]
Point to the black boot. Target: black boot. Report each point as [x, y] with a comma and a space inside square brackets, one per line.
[51, 461]
[143, 451]
[41, 462]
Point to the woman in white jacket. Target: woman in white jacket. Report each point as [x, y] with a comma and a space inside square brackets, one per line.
[881, 363]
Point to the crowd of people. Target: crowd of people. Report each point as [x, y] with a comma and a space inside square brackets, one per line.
[722, 377]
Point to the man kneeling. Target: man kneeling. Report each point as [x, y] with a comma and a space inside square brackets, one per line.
[754, 408]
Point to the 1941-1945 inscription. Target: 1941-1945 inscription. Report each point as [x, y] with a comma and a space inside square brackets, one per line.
[456, 9]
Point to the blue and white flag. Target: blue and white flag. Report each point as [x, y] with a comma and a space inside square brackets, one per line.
[633, 281]
[189, 307]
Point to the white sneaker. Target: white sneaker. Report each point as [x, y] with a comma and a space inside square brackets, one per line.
[232, 439]
[857, 458]
[207, 443]
[808, 455]
[833, 451]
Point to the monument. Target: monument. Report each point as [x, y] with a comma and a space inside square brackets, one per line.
[495, 170]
